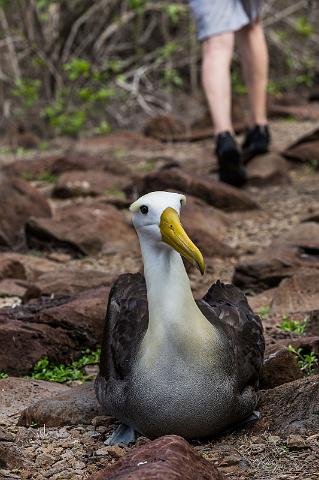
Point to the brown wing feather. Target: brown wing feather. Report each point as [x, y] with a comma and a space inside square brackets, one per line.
[125, 325]
[226, 307]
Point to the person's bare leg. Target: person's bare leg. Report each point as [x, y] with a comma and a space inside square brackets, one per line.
[254, 58]
[217, 57]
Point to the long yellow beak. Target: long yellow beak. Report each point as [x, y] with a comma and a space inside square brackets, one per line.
[174, 235]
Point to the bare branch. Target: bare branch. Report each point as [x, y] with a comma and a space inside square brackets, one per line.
[77, 25]
[276, 17]
[10, 45]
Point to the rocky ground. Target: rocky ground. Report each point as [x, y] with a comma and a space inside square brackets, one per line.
[65, 235]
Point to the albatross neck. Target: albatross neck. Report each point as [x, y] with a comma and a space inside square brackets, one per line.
[172, 308]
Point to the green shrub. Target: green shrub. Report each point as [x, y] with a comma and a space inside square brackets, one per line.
[294, 326]
[27, 90]
[44, 370]
[307, 361]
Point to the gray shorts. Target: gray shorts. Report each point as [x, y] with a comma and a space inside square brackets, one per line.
[219, 16]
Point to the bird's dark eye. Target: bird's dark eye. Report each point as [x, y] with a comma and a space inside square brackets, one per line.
[181, 202]
[144, 209]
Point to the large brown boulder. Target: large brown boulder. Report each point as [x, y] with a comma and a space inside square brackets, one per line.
[57, 328]
[307, 138]
[304, 153]
[16, 394]
[67, 282]
[123, 139]
[268, 169]
[164, 127]
[24, 267]
[279, 367]
[300, 112]
[299, 293]
[305, 149]
[11, 267]
[293, 252]
[206, 226]
[74, 406]
[19, 201]
[217, 194]
[170, 458]
[56, 165]
[290, 408]
[91, 183]
[84, 229]
[13, 288]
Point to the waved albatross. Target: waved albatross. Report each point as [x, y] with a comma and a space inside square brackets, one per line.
[170, 364]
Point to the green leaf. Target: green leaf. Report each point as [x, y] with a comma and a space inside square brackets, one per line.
[136, 4]
[307, 361]
[44, 370]
[264, 311]
[304, 27]
[174, 11]
[76, 68]
[103, 128]
[28, 90]
[294, 326]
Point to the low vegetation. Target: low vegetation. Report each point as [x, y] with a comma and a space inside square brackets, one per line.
[45, 177]
[293, 326]
[82, 66]
[44, 370]
[307, 361]
[264, 311]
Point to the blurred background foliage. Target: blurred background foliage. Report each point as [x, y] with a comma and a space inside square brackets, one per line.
[70, 67]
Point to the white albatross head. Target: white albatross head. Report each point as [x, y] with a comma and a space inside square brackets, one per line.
[156, 219]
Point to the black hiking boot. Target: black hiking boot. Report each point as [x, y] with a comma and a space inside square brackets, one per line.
[230, 167]
[256, 142]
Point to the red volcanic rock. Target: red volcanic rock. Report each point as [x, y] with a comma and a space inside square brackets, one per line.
[16, 394]
[57, 328]
[164, 127]
[292, 253]
[11, 287]
[279, 367]
[12, 268]
[24, 267]
[82, 229]
[290, 408]
[91, 183]
[169, 458]
[217, 194]
[299, 293]
[304, 153]
[67, 282]
[309, 137]
[268, 169]
[308, 343]
[122, 139]
[300, 112]
[305, 149]
[62, 163]
[206, 226]
[19, 201]
[77, 405]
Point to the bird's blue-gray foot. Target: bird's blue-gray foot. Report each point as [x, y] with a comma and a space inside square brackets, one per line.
[123, 434]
